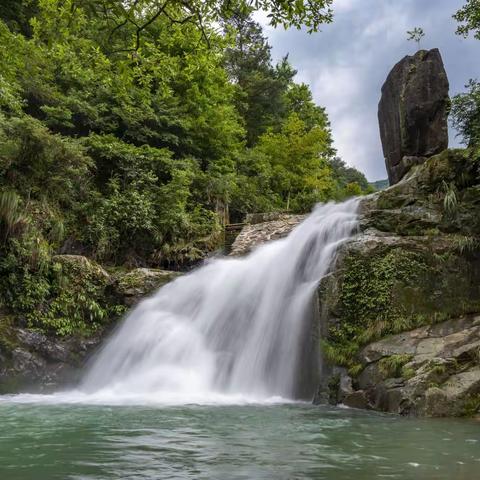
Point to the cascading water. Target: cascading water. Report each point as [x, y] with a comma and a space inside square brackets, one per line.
[231, 328]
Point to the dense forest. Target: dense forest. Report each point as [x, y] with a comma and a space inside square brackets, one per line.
[138, 145]
[131, 132]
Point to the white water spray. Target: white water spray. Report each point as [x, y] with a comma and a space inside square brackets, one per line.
[232, 328]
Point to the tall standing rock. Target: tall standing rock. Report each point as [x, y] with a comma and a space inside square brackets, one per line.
[413, 111]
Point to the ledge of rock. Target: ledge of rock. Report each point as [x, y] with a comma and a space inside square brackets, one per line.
[276, 226]
[132, 286]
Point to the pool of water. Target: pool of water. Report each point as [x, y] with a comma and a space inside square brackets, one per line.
[280, 441]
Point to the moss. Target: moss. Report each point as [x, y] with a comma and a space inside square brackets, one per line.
[407, 372]
[8, 339]
[471, 406]
[333, 387]
[392, 366]
[355, 370]
[395, 289]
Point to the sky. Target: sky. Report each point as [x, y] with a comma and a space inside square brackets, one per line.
[347, 62]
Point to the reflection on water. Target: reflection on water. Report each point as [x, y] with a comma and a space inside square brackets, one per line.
[296, 441]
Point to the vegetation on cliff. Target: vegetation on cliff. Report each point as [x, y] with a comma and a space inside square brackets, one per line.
[424, 270]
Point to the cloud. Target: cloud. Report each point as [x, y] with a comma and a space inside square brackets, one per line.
[347, 63]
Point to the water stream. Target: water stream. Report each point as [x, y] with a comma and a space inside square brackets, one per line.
[233, 329]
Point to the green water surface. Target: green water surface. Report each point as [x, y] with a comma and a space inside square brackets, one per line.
[293, 441]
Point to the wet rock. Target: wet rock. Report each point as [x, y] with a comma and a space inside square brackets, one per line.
[132, 286]
[34, 362]
[356, 399]
[257, 234]
[412, 112]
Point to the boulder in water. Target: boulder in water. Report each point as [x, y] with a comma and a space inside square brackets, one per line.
[413, 111]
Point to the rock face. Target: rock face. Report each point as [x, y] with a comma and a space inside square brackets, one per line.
[33, 361]
[132, 286]
[412, 112]
[263, 228]
[400, 311]
[432, 370]
[398, 317]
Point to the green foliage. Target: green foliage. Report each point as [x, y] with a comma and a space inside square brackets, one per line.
[261, 87]
[469, 18]
[63, 298]
[416, 35]
[349, 180]
[466, 244]
[369, 309]
[471, 405]
[465, 114]
[368, 290]
[298, 160]
[392, 366]
[450, 200]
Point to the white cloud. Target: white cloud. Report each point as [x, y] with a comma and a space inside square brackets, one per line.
[347, 63]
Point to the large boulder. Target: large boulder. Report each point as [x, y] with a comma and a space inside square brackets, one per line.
[413, 111]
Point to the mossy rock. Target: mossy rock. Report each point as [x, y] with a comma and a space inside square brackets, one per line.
[388, 285]
[132, 286]
[79, 300]
[8, 338]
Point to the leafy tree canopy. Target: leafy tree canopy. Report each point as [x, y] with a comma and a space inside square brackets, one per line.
[469, 18]
[131, 131]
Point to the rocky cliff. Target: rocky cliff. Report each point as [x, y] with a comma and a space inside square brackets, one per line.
[399, 313]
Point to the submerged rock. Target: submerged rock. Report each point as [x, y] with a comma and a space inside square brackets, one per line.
[413, 111]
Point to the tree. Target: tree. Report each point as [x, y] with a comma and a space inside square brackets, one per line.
[128, 21]
[416, 35]
[345, 176]
[465, 113]
[18, 13]
[260, 86]
[298, 158]
[469, 18]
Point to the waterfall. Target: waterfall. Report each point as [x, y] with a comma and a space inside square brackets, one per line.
[233, 327]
